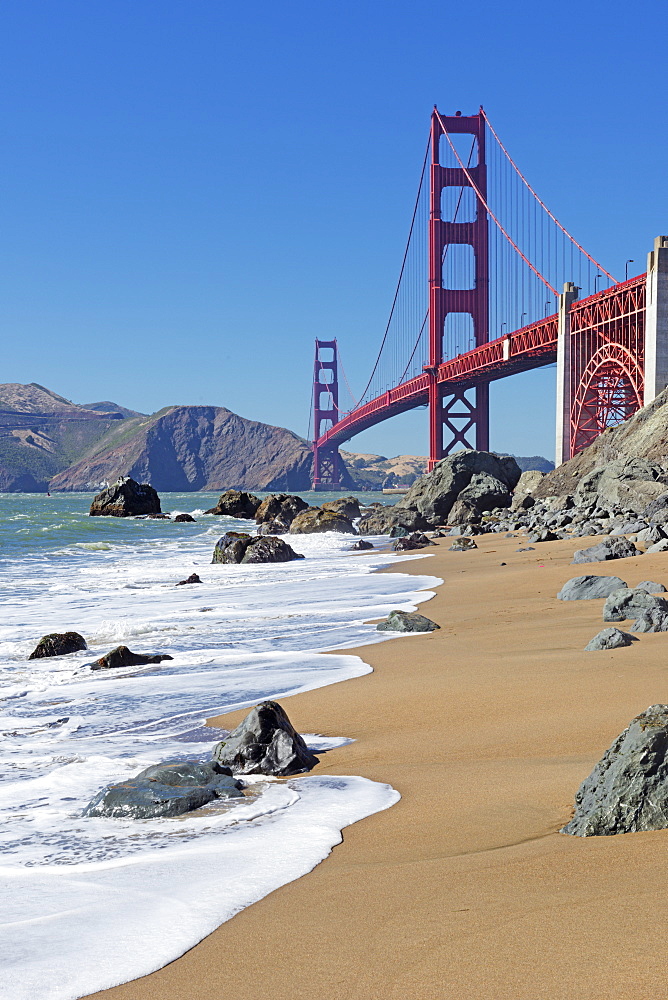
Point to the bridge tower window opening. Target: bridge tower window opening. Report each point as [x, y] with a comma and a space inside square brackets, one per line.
[466, 144]
[459, 267]
[459, 204]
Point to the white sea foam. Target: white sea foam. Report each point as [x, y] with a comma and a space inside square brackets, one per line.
[75, 891]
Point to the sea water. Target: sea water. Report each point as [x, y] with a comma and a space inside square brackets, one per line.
[86, 903]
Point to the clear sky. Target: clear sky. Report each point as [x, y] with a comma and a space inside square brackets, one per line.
[191, 190]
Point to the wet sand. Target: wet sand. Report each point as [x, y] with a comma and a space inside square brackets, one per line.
[465, 889]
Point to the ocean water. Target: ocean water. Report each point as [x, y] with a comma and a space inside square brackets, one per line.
[88, 903]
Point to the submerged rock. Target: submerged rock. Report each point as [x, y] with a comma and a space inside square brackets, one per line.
[236, 547]
[236, 503]
[185, 519]
[193, 578]
[588, 588]
[168, 789]
[628, 789]
[360, 545]
[121, 656]
[406, 621]
[126, 498]
[611, 548]
[609, 638]
[58, 644]
[265, 743]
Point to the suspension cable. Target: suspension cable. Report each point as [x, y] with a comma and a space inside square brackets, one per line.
[401, 272]
[541, 202]
[483, 202]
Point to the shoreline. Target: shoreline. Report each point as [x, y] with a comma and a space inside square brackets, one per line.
[465, 888]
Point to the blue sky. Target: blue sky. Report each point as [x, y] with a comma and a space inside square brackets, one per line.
[191, 191]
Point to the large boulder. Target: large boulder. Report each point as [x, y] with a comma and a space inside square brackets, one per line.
[58, 644]
[126, 498]
[265, 743]
[434, 494]
[168, 789]
[381, 521]
[628, 789]
[588, 588]
[523, 492]
[406, 621]
[485, 492]
[652, 620]
[314, 520]
[611, 548]
[625, 604]
[348, 506]
[629, 483]
[281, 508]
[237, 547]
[121, 656]
[236, 503]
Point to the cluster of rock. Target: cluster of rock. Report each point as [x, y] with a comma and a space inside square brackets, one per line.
[64, 643]
[281, 513]
[264, 743]
[237, 547]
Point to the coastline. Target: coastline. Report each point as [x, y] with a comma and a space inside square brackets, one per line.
[465, 888]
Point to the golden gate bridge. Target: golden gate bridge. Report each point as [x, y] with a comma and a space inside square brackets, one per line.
[491, 284]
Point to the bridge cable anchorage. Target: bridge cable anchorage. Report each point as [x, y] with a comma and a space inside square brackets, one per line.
[542, 203]
[401, 273]
[491, 214]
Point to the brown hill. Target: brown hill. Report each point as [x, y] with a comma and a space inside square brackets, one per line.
[194, 448]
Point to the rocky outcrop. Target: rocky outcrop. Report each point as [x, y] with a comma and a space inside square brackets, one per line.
[652, 620]
[313, 520]
[348, 506]
[480, 478]
[193, 578]
[121, 656]
[168, 789]
[626, 603]
[265, 743]
[185, 519]
[278, 512]
[611, 548]
[126, 498]
[588, 588]
[414, 540]
[406, 621]
[58, 644]
[609, 638]
[381, 521]
[360, 545]
[628, 789]
[236, 547]
[236, 503]
[527, 484]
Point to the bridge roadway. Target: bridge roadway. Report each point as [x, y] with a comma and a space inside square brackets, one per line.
[533, 346]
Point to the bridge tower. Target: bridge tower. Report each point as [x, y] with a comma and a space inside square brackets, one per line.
[326, 472]
[460, 417]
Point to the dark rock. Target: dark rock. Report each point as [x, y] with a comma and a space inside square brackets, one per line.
[348, 506]
[464, 511]
[126, 498]
[314, 520]
[526, 548]
[193, 578]
[611, 548]
[650, 535]
[652, 620]
[650, 587]
[633, 484]
[626, 604]
[588, 588]
[121, 656]
[628, 789]
[282, 507]
[399, 531]
[360, 545]
[154, 517]
[237, 547]
[609, 638]
[231, 547]
[168, 789]
[236, 503]
[406, 621]
[265, 743]
[462, 545]
[185, 518]
[273, 528]
[544, 535]
[383, 519]
[58, 644]
[434, 494]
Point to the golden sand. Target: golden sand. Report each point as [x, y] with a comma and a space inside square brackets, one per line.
[465, 889]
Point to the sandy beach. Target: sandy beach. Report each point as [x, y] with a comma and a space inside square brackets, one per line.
[466, 889]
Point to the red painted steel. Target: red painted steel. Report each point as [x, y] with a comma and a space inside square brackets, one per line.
[325, 414]
[607, 360]
[445, 418]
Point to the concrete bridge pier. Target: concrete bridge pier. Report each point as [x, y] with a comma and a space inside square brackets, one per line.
[656, 320]
[564, 401]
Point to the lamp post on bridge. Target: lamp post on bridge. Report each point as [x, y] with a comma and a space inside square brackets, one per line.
[626, 268]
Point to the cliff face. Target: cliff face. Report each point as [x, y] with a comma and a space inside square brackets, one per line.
[194, 448]
[644, 435]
